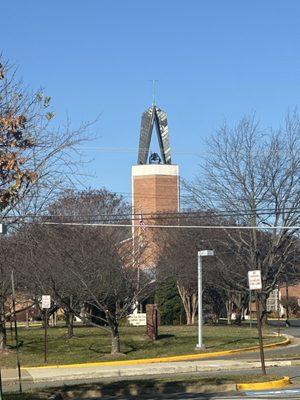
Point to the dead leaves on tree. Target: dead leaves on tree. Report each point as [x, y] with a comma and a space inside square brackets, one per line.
[13, 146]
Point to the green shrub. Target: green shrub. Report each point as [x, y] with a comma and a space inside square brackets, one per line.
[169, 303]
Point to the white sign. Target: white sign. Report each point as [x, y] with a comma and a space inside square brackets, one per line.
[137, 319]
[254, 278]
[46, 301]
[204, 253]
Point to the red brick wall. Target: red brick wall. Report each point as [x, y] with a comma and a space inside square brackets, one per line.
[155, 193]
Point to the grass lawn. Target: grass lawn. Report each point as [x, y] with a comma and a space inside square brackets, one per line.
[177, 382]
[92, 344]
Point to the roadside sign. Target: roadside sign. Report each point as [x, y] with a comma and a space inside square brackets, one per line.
[254, 279]
[204, 253]
[46, 301]
[46, 304]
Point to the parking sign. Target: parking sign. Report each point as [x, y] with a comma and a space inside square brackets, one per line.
[46, 301]
[254, 278]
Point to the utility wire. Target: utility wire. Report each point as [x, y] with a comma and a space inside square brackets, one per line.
[164, 215]
[172, 226]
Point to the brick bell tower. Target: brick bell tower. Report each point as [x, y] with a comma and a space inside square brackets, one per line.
[155, 180]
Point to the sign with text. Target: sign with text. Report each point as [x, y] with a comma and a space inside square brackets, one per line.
[254, 279]
[137, 319]
[46, 301]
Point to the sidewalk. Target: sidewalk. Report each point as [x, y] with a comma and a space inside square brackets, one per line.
[53, 374]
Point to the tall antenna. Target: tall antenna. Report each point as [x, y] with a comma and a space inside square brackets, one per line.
[154, 87]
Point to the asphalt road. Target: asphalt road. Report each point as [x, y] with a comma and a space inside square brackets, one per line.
[283, 394]
[278, 394]
[292, 392]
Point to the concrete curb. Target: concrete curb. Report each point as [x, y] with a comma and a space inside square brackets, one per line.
[185, 357]
[278, 383]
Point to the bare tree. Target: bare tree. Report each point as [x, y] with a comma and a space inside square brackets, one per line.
[5, 286]
[37, 158]
[98, 270]
[178, 258]
[253, 176]
[93, 264]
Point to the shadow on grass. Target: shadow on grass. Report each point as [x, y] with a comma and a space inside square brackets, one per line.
[222, 344]
[97, 351]
[165, 336]
[14, 347]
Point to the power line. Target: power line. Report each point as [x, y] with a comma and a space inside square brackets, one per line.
[132, 150]
[172, 226]
[166, 215]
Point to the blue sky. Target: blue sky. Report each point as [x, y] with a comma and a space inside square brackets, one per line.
[214, 60]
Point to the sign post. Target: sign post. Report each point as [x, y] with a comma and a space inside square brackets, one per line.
[1, 392]
[46, 304]
[250, 307]
[13, 292]
[255, 283]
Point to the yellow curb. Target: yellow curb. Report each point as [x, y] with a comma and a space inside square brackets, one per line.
[264, 385]
[185, 357]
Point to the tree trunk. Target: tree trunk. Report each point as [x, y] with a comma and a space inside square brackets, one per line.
[27, 317]
[189, 302]
[115, 340]
[287, 300]
[70, 324]
[228, 311]
[238, 316]
[3, 338]
[194, 307]
[263, 304]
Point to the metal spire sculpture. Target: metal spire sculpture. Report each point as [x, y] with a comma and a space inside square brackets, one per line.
[154, 116]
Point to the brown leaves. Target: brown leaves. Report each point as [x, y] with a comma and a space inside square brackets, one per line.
[1, 72]
[11, 122]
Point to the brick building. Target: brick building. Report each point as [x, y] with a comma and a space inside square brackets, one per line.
[154, 180]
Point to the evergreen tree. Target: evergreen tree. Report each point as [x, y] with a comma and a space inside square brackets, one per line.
[169, 303]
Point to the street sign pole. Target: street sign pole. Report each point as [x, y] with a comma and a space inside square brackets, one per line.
[46, 304]
[255, 283]
[278, 311]
[250, 307]
[46, 323]
[261, 344]
[16, 328]
[1, 392]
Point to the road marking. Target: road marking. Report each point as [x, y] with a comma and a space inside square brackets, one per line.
[280, 393]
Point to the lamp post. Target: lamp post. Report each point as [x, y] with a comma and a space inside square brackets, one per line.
[202, 253]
